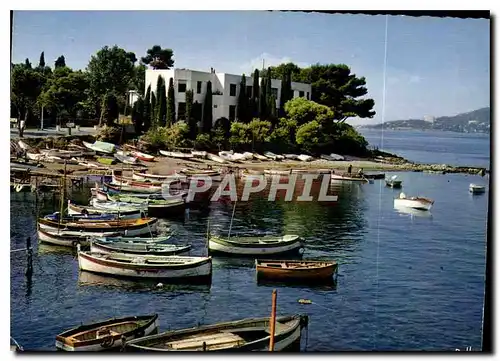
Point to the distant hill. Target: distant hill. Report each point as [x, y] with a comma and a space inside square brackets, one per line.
[477, 121]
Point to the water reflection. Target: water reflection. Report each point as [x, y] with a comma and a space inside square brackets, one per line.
[324, 285]
[86, 279]
[412, 212]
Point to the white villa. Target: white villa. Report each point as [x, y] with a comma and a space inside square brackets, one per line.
[225, 86]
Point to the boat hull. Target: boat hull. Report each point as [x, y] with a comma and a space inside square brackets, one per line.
[100, 226]
[394, 184]
[219, 245]
[148, 328]
[105, 248]
[411, 203]
[52, 237]
[324, 272]
[76, 210]
[89, 263]
[339, 178]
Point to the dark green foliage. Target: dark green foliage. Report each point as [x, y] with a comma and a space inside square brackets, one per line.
[263, 100]
[161, 102]
[41, 63]
[139, 78]
[171, 103]
[242, 104]
[190, 116]
[203, 142]
[60, 62]
[254, 103]
[159, 58]
[138, 115]
[207, 110]
[27, 63]
[152, 112]
[110, 109]
[221, 133]
[286, 91]
[146, 117]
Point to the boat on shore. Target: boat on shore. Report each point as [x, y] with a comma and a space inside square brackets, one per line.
[100, 147]
[332, 157]
[476, 189]
[107, 334]
[201, 154]
[260, 157]
[256, 246]
[216, 158]
[138, 248]
[393, 182]
[420, 203]
[125, 157]
[251, 334]
[146, 266]
[305, 158]
[176, 154]
[295, 270]
[277, 171]
[138, 154]
[347, 178]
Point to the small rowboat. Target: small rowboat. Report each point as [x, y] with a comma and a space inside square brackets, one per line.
[140, 155]
[101, 147]
[199, 154]
[216, 158]
[393, 182]
[251, 334]
[138, 248]
[78, 217]
[305, 158]
[256, 246]
[346, 178]
[421, 203]
[332, 157]
[110, 206]
[124, 213]
[108, 334]
[129, 227]
[260, 157]
[295, 270]
[176, 154]
[121, 239]
[69, 238]
[144, 189]
[476, 189]
[124, 157]
[117, 179]
[153, 177]
[146, 266]
[277, 172]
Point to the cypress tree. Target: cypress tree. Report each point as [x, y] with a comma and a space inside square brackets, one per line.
[160, 102]
[163, 104]
[138, 115]
[41, 63]
[242, 105]
[207, 110]
[171, 103]
[152, 112]
[146, 118]
[285, 92]
[263, 100]
[269, 93]
[190, 120]
[255, 95]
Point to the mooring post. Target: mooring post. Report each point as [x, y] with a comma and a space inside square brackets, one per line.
[29, 266]
[273, 321]
[204, 346]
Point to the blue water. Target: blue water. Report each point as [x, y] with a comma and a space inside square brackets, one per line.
[457, 149]
[406, 281]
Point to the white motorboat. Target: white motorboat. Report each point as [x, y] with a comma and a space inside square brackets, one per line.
[476, 188]
[421, 203]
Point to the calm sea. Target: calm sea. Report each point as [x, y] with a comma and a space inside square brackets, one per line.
[407, 281]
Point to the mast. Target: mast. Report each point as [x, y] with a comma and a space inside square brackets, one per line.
[231, 224]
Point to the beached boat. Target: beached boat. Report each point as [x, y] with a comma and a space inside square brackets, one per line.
[291, 156]
[277, 171]
[124, 213]
[476, 189]
[146, 266]
[124, 157]
[305, 158]
[100, 147]
[199, 154]
[393, 182]
[147, 248]
[107, 334]
[69, 238]
[23, 145]
[421, 203]
[348, 178]
[121, 239]
[256, 246]
[128, 227]
[145, 177]
[194, 173]
[229, 156]
[260, 157]
[216, 158]
[332, 157]
[35, 156]
[106, 160]
[251, 334]
[176, 154]
[273, 156]
[140, 155]
[295, 270]
[248, 156]
[138, 188]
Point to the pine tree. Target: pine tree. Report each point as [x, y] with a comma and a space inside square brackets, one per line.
[171, 103]
[207, 110]
[146, 118]
[242, 105]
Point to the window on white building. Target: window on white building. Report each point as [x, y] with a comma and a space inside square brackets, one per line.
[232, 90]
[181, 88]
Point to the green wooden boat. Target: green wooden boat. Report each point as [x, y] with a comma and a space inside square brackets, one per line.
[107, 161]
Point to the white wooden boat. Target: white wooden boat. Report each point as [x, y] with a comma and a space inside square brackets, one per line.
[140, 155]
[136, 188]
[229, 156]
[69, 238]
[332, 157]
[291, 156]
[421, 203]
[145, 266]
[346, 178]
[35, 156]
[248, 156]
[256, 246]
[476, 188]
[23, 145]
[412, 212]
[121, 239]
[124, 213]
[197, 173]
[115, 207]
[251, 334]
[109, 334]
[101, 147]
[393, 182]
[260, 156]
[147, 248]
[125, 157]
[305, 158]
[216, 158]
[199, 154]
[277, 171]
[144, 177]
[176, 154]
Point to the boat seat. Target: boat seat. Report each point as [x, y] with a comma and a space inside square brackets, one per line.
[278, 328]
[217, 340]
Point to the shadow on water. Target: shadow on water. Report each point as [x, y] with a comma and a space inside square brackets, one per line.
[324, 285]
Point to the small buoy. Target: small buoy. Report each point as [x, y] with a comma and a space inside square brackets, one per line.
[304, 301]
[159, 285]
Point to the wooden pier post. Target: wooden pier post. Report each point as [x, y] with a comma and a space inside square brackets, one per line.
[29, 251]
[273, 321]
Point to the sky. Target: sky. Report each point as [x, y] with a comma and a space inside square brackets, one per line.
[434, 66]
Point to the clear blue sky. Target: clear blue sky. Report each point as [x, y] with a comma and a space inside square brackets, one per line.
[435, 66]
